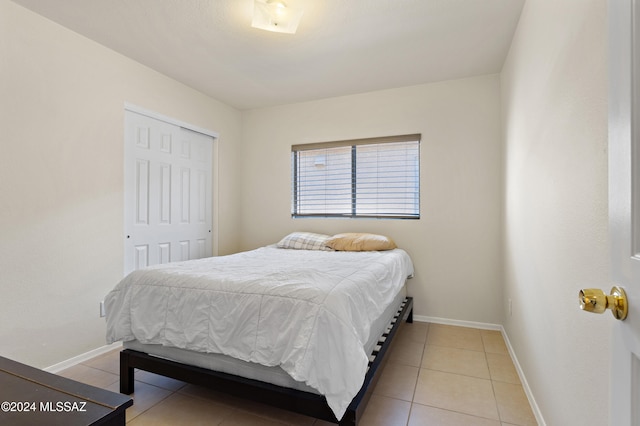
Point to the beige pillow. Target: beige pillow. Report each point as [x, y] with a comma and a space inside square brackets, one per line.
[358, 241]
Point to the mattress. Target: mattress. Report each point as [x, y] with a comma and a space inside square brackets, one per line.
[274, 375]
[308, 312]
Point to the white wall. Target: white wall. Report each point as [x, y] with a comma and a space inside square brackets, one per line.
[456, 245]
[61, 181]
[554, 102]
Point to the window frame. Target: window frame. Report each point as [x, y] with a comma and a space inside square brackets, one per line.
[353, 143]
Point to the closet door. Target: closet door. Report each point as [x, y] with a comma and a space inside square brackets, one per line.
[168, 208]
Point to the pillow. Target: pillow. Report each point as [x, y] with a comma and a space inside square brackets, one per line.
[355, 241]
[304, 241]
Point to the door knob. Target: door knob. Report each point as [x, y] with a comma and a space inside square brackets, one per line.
[596, 301]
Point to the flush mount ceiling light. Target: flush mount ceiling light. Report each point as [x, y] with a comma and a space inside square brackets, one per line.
[276, 16]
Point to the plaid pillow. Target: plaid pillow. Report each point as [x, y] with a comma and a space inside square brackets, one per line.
[305, 241]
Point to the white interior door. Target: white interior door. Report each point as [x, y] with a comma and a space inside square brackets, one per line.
[624, 204]
[168, 208]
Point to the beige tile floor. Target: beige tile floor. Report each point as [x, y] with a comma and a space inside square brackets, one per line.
[436, 375]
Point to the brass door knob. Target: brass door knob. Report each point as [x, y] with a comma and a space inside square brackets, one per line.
[596, 301]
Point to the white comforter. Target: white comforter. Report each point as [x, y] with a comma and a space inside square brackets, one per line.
[309, 312]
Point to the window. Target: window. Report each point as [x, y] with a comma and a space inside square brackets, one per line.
[364, 178]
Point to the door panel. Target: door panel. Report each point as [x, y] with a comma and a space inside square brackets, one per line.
[624, 205]
[141, 253]
[168, 208]
[142, 192]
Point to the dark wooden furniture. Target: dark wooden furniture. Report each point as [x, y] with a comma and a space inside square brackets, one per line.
[302, 402]
[29, 396]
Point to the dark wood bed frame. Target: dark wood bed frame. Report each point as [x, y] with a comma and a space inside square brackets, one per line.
[289, 399]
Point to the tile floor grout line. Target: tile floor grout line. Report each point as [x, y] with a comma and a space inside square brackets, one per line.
[495, 399]
[153, 405]
[463, 413]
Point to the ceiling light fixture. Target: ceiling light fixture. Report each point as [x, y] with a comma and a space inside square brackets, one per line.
[276, 16]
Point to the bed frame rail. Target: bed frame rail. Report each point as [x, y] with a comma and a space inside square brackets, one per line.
[289, 399]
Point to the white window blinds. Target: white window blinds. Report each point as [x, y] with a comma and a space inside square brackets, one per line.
[375, 178]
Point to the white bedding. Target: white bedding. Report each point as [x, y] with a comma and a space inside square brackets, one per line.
[309, 312]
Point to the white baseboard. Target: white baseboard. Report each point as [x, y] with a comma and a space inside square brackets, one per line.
[459, 323]
[487, 326]
[523, 380]
[82, 357]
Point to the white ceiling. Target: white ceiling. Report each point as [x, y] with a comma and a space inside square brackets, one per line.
[342, 47]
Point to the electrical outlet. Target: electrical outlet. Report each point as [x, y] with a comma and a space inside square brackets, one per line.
[103, 313]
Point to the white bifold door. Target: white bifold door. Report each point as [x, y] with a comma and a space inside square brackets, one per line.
[168, 207]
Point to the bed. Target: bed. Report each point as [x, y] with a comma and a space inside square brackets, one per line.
[301, 327]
